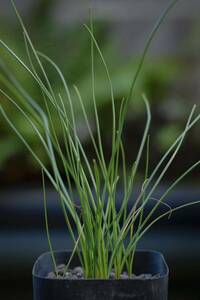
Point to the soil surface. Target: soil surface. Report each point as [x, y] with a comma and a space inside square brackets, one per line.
[77, 273]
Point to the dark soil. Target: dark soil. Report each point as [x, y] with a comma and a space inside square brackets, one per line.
[77, 273]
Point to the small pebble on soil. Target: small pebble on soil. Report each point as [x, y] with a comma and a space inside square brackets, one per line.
[78, 273]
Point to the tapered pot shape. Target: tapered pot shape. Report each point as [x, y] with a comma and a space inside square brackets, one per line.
[138, 288]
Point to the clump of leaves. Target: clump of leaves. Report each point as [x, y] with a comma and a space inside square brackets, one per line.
[101, 228]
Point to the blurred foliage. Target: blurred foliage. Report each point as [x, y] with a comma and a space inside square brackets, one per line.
[70, 48]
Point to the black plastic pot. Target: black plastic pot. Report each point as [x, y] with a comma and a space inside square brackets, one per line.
[131, 289]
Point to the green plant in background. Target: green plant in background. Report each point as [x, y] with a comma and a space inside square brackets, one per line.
[101, 228]
[76, 68]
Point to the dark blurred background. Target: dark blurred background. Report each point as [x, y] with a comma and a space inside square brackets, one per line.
[170, 79]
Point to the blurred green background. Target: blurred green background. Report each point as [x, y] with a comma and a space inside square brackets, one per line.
[168, 79]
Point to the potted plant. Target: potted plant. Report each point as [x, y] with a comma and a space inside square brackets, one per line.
[104, 263]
